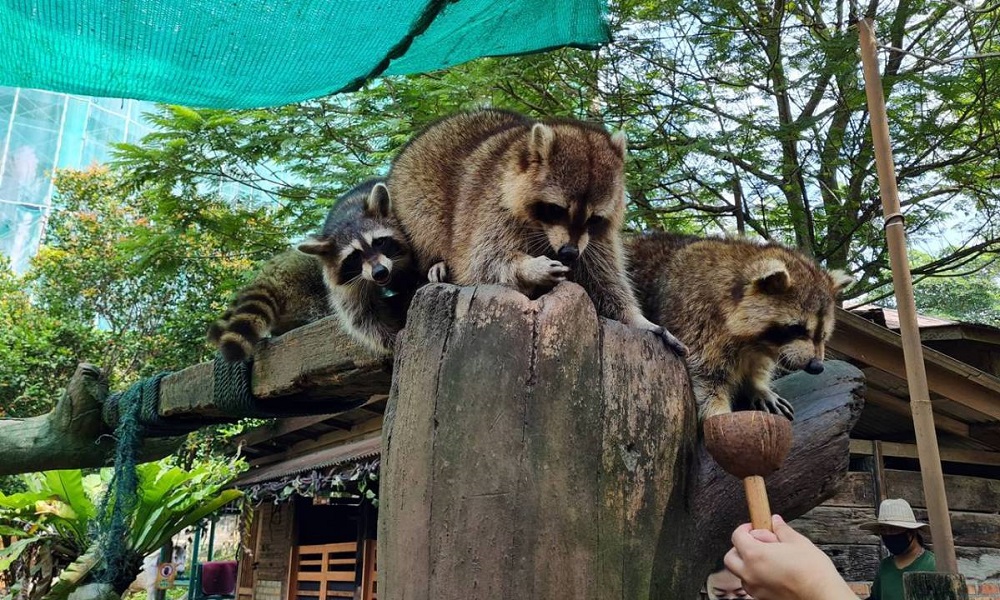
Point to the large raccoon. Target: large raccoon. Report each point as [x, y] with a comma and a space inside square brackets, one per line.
[359, 267]
[497, 197]
[741, 307]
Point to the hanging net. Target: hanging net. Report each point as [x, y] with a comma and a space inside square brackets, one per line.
[255, 53]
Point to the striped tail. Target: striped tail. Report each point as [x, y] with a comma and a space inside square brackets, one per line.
[251, 317]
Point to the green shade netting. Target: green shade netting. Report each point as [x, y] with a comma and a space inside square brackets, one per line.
[254, 53]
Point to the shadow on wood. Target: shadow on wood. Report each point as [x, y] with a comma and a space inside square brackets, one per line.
[533, 450]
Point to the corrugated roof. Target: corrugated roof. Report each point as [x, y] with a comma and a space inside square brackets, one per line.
[321, 459]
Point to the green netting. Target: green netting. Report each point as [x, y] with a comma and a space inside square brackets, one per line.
[252, 53]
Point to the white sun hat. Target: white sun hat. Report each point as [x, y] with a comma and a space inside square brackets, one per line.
[894, 512]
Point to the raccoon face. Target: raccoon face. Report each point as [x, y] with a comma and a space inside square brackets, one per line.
[790, 320]
[372, 256]
[571, 188]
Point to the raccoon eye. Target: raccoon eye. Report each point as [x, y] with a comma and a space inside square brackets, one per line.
[386, 245]
[350, 267]
[549, 213]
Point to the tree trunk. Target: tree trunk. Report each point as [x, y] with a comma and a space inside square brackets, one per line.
[533, 450]
[72, 435]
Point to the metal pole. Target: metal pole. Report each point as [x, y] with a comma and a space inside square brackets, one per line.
[916, 377]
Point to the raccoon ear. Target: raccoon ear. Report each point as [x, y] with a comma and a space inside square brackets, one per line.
[772, 278]
[378, 203]
[619, 142]
[841, 280]
[542, 138]
[317, 246]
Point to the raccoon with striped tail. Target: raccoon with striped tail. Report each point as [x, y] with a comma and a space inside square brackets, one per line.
[743, 308]
[359, 268]
[491, 196]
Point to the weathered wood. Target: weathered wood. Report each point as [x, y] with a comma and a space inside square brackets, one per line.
[72, 435]
[854, 562]
[855, 489]
[965, 493]
[533, 450]
[314, 364]
[934, 586]
[840, 525]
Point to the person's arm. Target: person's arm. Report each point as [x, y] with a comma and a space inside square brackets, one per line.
[784, 565]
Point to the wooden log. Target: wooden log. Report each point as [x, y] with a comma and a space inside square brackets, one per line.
[532, 450]
[316, 364]
[72, 435]
[934, 586]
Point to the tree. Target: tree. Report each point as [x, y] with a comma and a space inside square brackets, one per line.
[745, 116]
[122, 285]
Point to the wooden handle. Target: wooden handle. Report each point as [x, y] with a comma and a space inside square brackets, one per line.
[760, 508]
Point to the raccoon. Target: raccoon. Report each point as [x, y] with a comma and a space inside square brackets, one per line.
[359, 268]
[742, 308]
[491, 196]
[288, 292]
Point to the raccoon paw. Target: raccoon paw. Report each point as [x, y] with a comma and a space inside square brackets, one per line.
[671, 341]
[438, 273]
[774, 404]
[542, 271]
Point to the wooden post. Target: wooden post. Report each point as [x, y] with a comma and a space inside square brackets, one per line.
[916, 377]
[532, 450]
[934, 586]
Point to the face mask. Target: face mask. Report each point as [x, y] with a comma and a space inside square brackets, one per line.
[898, 543]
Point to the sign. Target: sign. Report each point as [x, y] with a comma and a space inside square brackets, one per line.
[165, 575]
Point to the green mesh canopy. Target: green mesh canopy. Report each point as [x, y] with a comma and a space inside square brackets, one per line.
[254, 53]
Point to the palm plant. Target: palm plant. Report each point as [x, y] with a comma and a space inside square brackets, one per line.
[49, 530]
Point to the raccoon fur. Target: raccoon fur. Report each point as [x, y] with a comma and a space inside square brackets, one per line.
[742, 308]
[359, 267]
[491, 196]
[286, 293]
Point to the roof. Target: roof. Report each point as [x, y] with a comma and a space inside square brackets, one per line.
[931, 328]
[965, 400]
[369, 447]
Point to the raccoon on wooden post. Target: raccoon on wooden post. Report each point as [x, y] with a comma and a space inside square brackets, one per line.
[492, 196]
[359, 267]
[742, 308]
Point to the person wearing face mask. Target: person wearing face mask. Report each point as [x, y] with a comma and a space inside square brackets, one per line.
[900, 533]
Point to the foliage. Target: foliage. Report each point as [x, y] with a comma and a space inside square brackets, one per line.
[57, 517]
[741, 116]
[972, 295]
[122, 285]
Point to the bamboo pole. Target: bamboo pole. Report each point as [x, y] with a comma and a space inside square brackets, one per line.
[916, 377]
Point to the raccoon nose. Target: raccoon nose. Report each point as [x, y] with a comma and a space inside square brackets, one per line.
[380, 274]
[568, 254]
[814, 367]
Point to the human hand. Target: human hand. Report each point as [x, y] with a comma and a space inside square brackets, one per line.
[784, 565]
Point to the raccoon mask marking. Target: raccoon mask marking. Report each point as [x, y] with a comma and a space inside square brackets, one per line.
[492, 196]
[368, 266]
[742, 308]
[359, 268]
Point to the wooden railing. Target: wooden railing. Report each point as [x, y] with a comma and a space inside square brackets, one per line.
[324, 571]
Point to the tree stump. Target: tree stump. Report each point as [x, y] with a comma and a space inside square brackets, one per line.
[934, 586]
[533, 450]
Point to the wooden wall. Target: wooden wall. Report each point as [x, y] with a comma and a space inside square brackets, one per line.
[269, 564]
[975, 516]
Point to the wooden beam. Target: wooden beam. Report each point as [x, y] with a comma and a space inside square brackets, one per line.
[958, 455]
[317, 364]
[862, 340]
[901, 407]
